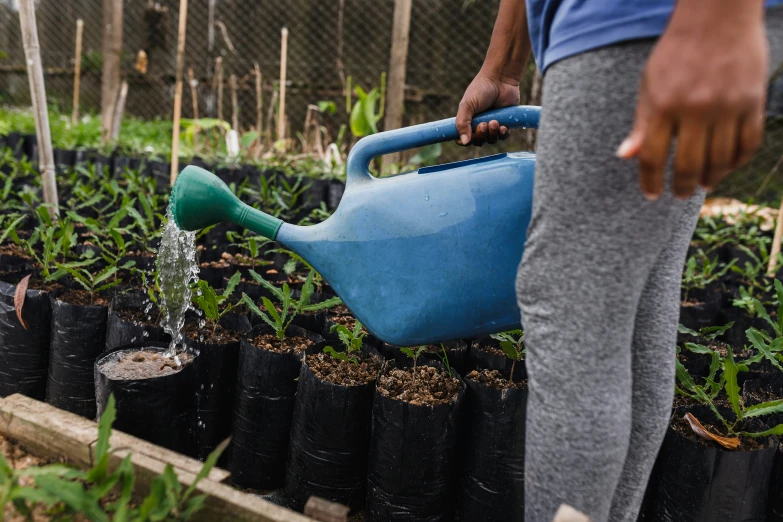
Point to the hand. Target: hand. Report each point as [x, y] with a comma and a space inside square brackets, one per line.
[705, 84]
[485, 92]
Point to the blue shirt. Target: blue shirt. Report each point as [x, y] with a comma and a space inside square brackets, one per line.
[562, 28]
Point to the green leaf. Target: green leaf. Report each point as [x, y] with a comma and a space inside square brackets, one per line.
[698, 348]
[105, 274]
[102, 445]
[777, 430]
[74, 495]
[35, 495]
[732, 388]
[232, 284]
[195, 504]
[764, 408]
[510, 350]
[334, 353]
[329, 303]
[757, 340]
[266, 284]
[209, 463]
[307, 291]
[270, 308]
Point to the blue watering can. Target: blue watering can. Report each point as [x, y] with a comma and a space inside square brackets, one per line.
[420, 257]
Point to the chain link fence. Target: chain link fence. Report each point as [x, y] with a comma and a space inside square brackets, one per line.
[331, 43]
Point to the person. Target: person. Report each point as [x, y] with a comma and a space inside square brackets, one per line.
[647, 104]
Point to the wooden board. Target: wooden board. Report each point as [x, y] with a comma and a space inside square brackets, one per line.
[51, 432]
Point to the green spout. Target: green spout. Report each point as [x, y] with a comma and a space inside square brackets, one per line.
[200, 199]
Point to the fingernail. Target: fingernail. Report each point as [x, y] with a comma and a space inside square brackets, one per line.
[651, 196]
[464, 139]
[624, 149]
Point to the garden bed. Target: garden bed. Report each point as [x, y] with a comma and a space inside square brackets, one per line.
[267, 340]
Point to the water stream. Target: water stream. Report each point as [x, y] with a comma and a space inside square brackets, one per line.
[177, 270]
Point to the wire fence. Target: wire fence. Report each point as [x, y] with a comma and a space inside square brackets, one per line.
[331, 43]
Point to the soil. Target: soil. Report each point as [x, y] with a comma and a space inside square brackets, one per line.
[144, 364]
[491, 349]
[681, 426]
[139, 317]
[424, 386]
[345, 373]
[211, 334]
[14, 250]
[337, 311]
[288, 345]
[762, 395]
[36, 282]
[493, 379]
[82, 298]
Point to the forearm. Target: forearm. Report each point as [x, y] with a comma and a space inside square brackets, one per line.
[510, 45]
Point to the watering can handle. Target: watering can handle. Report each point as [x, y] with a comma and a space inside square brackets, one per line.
[524, 116]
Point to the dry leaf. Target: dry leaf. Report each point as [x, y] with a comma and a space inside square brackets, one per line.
[731, 443]
[19, 295]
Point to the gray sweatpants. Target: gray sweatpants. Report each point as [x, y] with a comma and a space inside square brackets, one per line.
[598, 288]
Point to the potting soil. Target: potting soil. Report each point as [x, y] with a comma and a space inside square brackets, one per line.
[177, 269]
[143, 364]
[423, 385]
[346, 373]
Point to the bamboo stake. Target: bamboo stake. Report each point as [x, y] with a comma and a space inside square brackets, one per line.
[194, 100]
[219, 82]
[395, 97]
[773, 256]
[32, 52]
[259, 101]
[77, 70]
[119, 109]
[283, 70]
[183, 22]
[232, 83]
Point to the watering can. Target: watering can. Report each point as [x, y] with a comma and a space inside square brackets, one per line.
[420, 257]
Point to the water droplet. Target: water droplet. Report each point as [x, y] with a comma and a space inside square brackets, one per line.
[443, 214]
[426, 197]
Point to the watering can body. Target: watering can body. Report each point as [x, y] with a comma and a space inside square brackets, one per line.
[420, 257]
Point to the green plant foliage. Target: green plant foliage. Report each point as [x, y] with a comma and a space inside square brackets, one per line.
[342, 356]
[279, 321]
[98, 495]
[215, 306]
[512, 344]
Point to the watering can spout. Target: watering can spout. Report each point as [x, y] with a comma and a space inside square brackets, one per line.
[200, 199]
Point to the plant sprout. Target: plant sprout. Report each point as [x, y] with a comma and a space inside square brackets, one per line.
[210, 303]
[512, 344]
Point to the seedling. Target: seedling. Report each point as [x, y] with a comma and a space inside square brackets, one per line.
[352, 340]
[414, 354]
[512, 344]
[342, 356]
[279, 321]
[213, 305]
[701, 271]
[96, 494]
[444, 358]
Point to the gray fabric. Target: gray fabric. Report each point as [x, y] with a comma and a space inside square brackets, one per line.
[598, 289]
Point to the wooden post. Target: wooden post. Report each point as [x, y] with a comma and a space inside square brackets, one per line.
[119, 109]
[232, 83]
[77, 70]
[110, 79]
[283, 70]
[32, 54]
[259, 100]
[395, 94]
[773, 256]
[219, 85]
[183, 22]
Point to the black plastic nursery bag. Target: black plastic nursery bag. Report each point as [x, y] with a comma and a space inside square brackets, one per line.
[493, 474]
[699, 483]
[120, 331]
[263, 407]
[330, 439]
[78, 337]
[24, 352]
[413, 460]
[161, 410]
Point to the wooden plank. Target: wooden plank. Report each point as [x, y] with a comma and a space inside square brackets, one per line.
[51, 432]
[223, 502]
[47, 431]
[123, 441]
[325, 511]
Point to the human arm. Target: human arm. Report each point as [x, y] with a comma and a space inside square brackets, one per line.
[497, 83]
